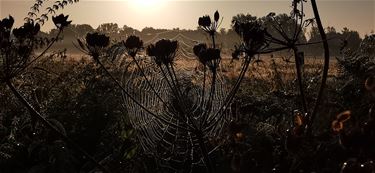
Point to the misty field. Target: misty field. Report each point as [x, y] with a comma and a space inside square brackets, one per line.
[278, 93]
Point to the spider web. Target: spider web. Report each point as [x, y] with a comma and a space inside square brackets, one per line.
[163, 131]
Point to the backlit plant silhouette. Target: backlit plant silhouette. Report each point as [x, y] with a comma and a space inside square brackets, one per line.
[179, 115]
[18, 52]
[175, 116]
[184, 117]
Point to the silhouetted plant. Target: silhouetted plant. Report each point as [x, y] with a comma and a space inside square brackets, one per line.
[17, 54]
[174, 105]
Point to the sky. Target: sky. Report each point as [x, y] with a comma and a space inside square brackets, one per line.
[357, 15]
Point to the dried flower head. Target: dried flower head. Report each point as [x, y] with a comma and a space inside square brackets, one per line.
[207, 25]
[204, 21]
[97, 40]
[61, 21]
[207, 56]
[5, 28]
[133, 44]
[28, 30]
[253, 35]
[163, 51]
[6, 23]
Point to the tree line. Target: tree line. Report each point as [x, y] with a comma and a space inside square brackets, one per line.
[338, 40]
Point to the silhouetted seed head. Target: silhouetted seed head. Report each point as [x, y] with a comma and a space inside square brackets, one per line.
[205, 54]
[163, 51]
[97, 40]
[199, 48]
[61, 21]
[253, 35]
[5, 27]
[133, 42]
[6, 23]
[207, 25]
[28, 30]
[204, 21]
[216, 16]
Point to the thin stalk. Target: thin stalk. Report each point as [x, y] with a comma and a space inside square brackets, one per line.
[325, 68]
[299, 78]
[45, 50]
[169, 83]
[203, 86]
[230, 96]
[147, 81]
[207, 161]
[180, 97]
[35, 113]
[175, 77]
[210, 98]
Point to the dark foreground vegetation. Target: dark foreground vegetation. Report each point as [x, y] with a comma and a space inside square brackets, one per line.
[128, 106]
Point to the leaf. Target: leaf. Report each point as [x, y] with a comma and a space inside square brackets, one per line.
[343, 116]
[337, 126]
[298, 119]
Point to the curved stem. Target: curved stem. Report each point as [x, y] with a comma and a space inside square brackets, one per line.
[35, 113]
[325, 68]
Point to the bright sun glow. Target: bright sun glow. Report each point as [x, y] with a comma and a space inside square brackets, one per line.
[147, 6]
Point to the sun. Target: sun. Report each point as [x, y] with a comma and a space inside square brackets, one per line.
[147, 6]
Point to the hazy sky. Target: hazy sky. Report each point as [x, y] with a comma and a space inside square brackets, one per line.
[355, 14]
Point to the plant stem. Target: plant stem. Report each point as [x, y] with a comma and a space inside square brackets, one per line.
[206, 158]
[325, 68]
[299, 78]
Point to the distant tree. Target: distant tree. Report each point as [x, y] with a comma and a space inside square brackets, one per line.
[347, 39]
[243, 18]
[110, 29]
[83, 29]
[351, 37]
[314, 37]
[335, 42]
[148, 30]
[126, 31]
[77, 30]
[288, 26]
